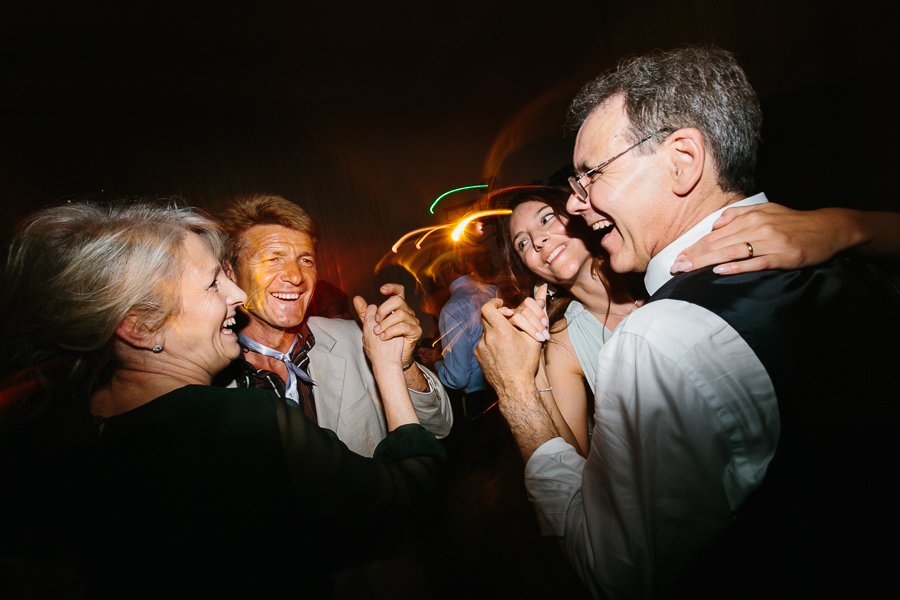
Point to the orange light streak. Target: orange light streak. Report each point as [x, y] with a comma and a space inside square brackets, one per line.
[414, 232]
[461, 226]
[422, 239]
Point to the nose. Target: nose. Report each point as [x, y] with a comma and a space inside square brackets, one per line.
[292, 274]
[575, 205]
[234, 295]
[540, 240]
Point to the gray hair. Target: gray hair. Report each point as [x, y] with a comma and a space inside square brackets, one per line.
[700, 87]
[75, 271]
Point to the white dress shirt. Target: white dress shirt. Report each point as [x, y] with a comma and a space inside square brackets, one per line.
[686, 423]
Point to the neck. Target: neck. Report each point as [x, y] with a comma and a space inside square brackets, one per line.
[130, 388]
[627, 293]
[276, 339]
[692, 209]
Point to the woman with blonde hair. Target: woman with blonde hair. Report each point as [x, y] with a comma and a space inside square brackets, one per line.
[199, 490]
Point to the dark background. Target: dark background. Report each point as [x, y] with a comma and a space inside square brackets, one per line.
[364, 113]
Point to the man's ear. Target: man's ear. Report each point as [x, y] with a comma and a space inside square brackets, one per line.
[229, 271]
[135, 332]
[688, 155]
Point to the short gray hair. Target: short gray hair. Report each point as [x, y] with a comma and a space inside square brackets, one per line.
[697, 86]
[75, 271]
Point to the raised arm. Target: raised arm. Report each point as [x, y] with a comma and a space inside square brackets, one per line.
[782, 238]
[395, 319]
[387, 365]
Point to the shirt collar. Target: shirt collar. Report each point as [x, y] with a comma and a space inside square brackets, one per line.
[306, 340]
[658, 269]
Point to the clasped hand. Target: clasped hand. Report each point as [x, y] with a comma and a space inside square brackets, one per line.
[510, 348]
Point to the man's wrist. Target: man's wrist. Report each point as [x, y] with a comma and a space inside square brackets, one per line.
[415, 379]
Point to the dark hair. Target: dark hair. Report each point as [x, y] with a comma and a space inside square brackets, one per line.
[697, 86]
[525, 280]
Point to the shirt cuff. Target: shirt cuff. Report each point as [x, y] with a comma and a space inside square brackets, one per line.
[427, 375]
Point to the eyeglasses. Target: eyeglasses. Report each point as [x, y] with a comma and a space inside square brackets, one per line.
[575, 182]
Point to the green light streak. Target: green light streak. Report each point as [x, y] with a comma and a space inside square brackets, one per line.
[468, 187]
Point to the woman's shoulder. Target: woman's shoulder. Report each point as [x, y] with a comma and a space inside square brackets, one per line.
[560, 349]
[574, 310]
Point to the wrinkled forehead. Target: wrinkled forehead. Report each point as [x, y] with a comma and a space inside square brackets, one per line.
[268, 238]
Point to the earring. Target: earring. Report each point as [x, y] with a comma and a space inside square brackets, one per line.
[157, 348]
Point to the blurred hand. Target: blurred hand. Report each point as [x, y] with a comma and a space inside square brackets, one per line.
[427, 357]
[395, 319]
[781, 238]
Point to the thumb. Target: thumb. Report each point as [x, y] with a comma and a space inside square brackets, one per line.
[360, 305]
[540, 296]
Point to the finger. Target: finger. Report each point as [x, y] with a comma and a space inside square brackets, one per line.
[730, 215]
[535, 330]
[536, 309]
[404, 329]
[728, 250]
[370, 313]
[540, 296]
[760, 263]
[393, 289]
[392, 305]
[360, 305]
[490, 313]
[395, 318]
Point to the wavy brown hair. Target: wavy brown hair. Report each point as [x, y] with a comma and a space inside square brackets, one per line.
[525, 280]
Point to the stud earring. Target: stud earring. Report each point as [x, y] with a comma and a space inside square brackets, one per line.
[158, 348]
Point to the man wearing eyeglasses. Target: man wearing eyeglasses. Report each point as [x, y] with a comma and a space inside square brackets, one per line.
[739, 444]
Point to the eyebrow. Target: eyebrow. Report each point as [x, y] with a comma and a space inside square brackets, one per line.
[213, 272]
[534, 217]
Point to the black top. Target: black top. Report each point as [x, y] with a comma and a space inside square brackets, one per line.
[826, 336]
[233, 492]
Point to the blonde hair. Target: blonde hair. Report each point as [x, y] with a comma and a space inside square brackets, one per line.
[262, 209]
[75, 271]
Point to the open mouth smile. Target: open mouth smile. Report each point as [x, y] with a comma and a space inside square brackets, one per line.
[227, 325]
[556, 251]
[285, 296]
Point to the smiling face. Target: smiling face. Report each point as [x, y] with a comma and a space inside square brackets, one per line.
[200, 333]
[627, 197]
[543, 243]
[277, 269]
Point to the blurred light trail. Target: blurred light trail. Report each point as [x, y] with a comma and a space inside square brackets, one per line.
[468, 187]
[408, 235]
[461, 226]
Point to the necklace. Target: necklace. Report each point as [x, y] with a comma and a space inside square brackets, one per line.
[633, 306]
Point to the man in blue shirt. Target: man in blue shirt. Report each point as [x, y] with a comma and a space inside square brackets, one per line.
[460, 325]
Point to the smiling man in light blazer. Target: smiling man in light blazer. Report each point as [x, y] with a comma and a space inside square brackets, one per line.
[315, 362]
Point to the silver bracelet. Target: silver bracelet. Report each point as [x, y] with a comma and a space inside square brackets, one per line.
[412, 361]
[549, 389]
